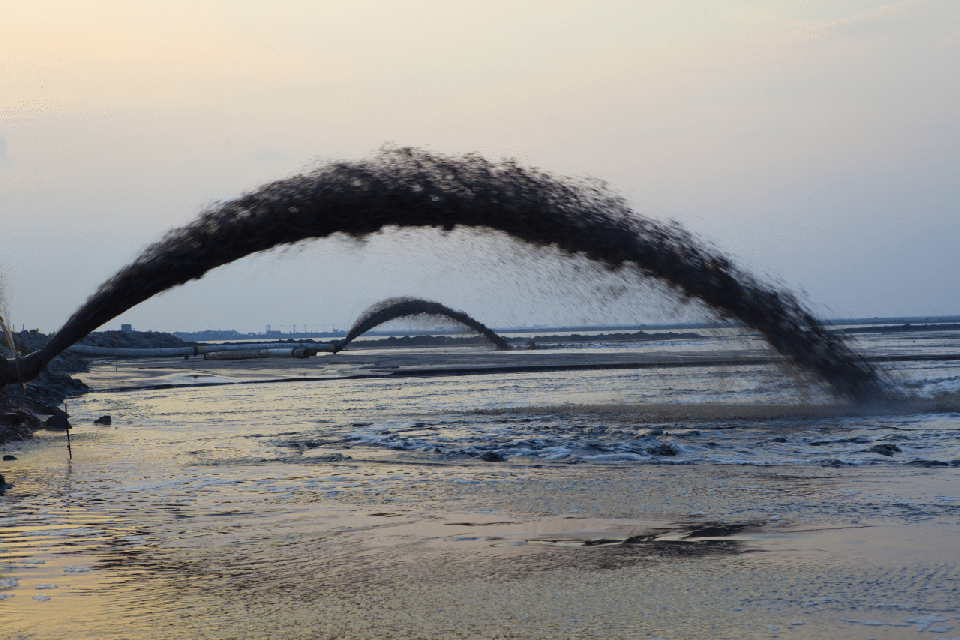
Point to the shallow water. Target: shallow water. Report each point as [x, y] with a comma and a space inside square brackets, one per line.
[365, 508]
[467, 416]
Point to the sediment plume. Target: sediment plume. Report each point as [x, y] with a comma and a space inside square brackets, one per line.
[404, 187]
[394, 308]
[7, 348]
[9, 354]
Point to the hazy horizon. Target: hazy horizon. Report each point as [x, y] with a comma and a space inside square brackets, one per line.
[427, 324]
[815, 142]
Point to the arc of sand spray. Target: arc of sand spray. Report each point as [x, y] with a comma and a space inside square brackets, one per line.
[413, 188]
[393, 308]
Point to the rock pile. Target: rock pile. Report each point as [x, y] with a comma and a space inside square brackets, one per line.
[37, 404]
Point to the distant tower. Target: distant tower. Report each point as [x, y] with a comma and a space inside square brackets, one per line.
[126, 328]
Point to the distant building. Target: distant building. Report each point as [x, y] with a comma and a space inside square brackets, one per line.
[126, 328]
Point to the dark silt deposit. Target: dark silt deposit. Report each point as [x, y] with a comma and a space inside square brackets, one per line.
[634, 336]
[395, 308]
[414, 188]
[132, 340]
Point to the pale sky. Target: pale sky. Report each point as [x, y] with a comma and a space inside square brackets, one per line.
[816, 142]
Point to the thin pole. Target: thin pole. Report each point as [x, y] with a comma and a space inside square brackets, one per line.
[67, 420]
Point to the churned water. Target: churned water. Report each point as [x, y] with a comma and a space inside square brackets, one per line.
[451, 417]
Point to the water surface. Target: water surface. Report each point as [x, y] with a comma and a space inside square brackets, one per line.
[489, 505]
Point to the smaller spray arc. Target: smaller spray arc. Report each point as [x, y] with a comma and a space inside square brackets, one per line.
[394, 308]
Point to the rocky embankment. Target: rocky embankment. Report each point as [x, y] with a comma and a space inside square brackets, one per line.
[37, 404]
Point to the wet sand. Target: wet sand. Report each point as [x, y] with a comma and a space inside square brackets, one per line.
[618, 554]
[158, 373]
[373, 363]
[470, 550]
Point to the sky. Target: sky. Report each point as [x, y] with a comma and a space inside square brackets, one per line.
[816, 142]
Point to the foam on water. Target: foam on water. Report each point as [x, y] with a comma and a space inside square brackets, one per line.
[919, 440]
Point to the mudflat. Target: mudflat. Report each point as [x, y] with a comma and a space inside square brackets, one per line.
[342, 501]
[399, 362]
[472, 550]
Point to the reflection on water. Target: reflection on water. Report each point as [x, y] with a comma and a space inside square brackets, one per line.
[448, 507]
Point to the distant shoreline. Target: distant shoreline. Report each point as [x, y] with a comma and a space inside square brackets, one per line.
[858, 325]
